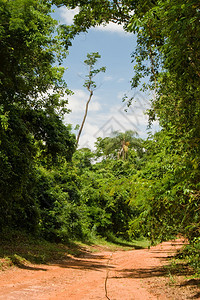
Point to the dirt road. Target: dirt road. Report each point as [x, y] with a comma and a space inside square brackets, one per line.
[121, 275]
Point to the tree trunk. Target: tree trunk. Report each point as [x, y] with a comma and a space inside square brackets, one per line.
[83, 122]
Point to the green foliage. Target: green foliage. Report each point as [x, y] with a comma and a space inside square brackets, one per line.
[166, 188]
[107, 207]
[17, 174]
[192, 254]
[126, 188]
[59, 202]
[166, 53]
[167, 185]
[106, 185]
[92, 13]
[31, 103]
[90, 62]
[109, 147]
[82, 159]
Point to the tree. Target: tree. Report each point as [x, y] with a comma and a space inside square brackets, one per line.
[167, 56]
[90, 83]
[110, 147]
[95, 12]
[167, 49]
[31, 90]
[168, 37]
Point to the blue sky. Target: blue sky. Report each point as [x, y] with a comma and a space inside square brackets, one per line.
[106, 110]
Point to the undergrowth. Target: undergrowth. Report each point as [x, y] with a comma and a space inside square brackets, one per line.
[20, 249]
[191, 254]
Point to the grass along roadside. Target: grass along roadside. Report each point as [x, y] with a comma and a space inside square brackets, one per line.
[178, 280]
[19, 249]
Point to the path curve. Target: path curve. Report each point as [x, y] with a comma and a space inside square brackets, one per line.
[127, 275]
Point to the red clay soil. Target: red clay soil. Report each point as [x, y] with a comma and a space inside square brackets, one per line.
[120, 275]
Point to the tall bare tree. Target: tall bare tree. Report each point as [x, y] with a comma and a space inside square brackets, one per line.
[90, 83]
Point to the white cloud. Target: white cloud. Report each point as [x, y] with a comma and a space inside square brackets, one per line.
[102, 122]
[120, 95]
[88, 139]
[111, 27]
[108, 78]
[67, 15]
[78, 101]
[121, 80]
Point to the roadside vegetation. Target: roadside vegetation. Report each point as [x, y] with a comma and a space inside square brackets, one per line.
[23, 250]
[127, 188]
